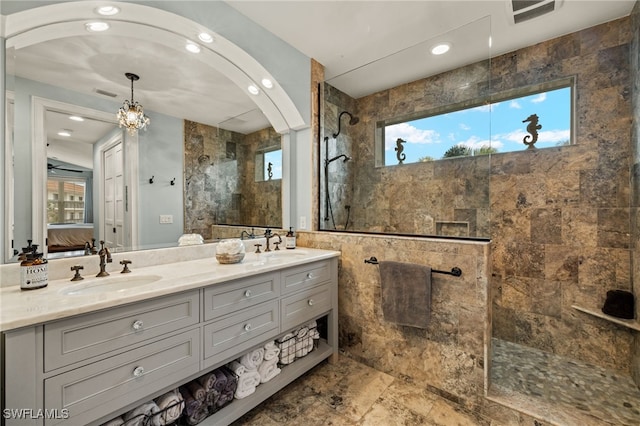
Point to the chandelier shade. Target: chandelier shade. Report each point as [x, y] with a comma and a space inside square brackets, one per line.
[131, 114]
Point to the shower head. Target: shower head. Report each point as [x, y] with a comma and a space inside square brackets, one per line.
[337, 157]
[353, 120]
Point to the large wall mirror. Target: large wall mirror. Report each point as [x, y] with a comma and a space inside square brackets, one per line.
[193, 167]
[445, 197]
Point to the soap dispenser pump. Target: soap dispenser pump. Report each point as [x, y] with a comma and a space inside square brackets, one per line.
[290, 239]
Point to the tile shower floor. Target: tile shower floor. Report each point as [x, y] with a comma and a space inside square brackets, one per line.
[560, 390]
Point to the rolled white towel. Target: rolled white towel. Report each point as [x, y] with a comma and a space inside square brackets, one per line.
[287, 345]
[114, 422]
[237, 368]
[252, 359]
[287, 359]
[268, 370]
[314, 333]
[312, 324]
[302, 332]
[247, 384]
[271, 351]
[138, 416]
[170, 405]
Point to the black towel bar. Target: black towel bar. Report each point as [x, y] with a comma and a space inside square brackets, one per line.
[455, 271]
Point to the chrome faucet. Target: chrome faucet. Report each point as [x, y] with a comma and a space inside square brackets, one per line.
[268, 235]
[105, 257]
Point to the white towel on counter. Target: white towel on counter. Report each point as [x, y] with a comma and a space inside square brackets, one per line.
[247, 384]
[252, 359]
[237, 368]
[268, 370]
[114, 422]
[138, 416]
[271, 351]
[170, 405]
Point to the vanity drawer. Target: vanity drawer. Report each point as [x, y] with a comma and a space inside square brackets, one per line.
[237, 333]
[230, 297]
[305, 306]
[305, 276]
[78, 338]
[98, 389]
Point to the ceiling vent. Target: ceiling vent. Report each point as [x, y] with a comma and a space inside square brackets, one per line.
[105, 93]
[523, 10]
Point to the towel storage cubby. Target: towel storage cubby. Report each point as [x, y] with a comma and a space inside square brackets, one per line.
[89, 368]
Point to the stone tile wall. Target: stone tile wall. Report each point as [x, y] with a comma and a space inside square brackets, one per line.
[560, 216]
[635, 179]
[219, 173]
[448, 356]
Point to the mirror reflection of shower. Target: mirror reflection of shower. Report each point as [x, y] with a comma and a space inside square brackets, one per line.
[353, 120]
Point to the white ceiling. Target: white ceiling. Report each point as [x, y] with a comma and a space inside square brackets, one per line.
[347, 35]
[352, 39]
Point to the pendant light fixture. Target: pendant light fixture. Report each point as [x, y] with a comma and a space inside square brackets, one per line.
[131, 115]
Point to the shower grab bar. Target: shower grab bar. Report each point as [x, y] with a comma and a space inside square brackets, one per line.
[455, 271]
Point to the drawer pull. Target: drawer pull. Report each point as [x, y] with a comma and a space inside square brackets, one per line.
[137, 325]
[138, 371]
[310, 276]
[310, 302]
[247, 293]
[247, 327]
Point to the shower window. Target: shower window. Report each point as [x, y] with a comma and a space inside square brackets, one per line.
[501, 124]
[268, 164]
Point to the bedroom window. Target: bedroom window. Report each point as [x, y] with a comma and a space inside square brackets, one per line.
[65, 200]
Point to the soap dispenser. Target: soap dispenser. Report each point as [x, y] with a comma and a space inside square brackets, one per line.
[34, 271]
[290, 239]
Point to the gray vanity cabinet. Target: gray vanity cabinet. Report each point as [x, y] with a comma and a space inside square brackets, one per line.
[89, 368]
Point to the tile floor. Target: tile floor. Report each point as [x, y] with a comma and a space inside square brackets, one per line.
[350, 393]
[561, 390]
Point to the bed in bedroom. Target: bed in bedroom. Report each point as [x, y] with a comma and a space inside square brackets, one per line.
[68, 236]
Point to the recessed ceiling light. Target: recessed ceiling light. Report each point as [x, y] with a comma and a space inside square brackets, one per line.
[267, 83]
[440, 48]
[253, 89]
[96, 26]
[205, 37]
[107, 10]
[192, 47]
[64, 132]
[76, 118]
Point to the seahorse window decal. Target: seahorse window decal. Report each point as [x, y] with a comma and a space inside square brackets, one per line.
[399, 148]
[532, 128]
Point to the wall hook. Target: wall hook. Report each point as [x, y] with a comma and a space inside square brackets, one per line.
[173, 181]
[151, 180]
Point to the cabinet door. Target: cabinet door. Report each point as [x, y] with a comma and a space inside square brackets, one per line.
[305, 276]
[79, 338]
[226, 298]
[305, 306]
[235, 334]
[98, 389]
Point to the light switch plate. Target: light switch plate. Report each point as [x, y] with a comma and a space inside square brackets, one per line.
[166, 218]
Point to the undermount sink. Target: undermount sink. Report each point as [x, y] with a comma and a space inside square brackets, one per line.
[274, 256]
[119, 283]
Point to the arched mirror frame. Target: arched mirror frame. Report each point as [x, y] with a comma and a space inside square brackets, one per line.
[60, 20]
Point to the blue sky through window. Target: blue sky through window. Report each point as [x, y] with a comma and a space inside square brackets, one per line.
[274, 157]
[499, 126]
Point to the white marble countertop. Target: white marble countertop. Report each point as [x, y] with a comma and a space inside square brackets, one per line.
[63, 298]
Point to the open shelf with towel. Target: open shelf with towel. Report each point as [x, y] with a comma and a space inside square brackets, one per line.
[629, 323]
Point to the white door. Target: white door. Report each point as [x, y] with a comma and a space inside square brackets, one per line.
[113, 183]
